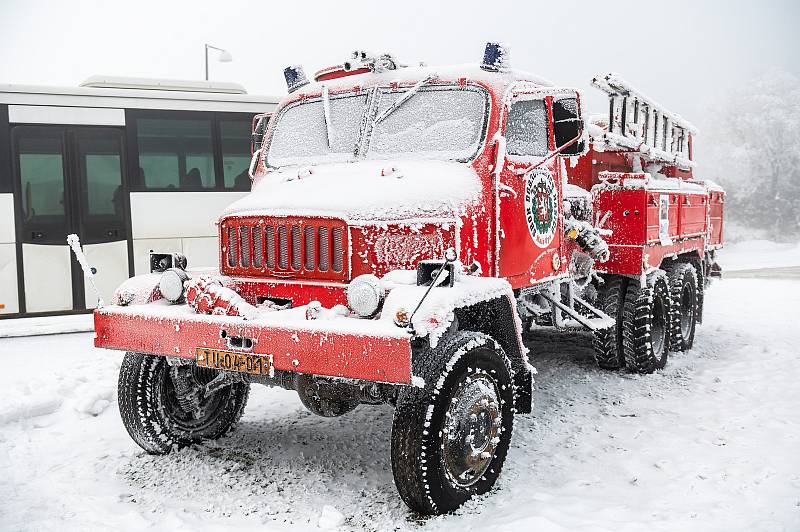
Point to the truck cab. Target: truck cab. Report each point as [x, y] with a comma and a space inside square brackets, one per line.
[369, 172]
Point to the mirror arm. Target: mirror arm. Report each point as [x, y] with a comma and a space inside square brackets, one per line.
[553, 154]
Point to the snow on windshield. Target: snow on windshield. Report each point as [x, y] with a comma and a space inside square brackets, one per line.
[434, 123]
[301, 136]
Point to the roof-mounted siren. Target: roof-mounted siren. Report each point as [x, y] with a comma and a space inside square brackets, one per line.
[295, 77]
[495, 57]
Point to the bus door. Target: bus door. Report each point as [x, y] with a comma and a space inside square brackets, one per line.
[69, 180]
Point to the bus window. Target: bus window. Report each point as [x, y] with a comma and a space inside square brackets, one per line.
[175, 153]
[235, 139]
[42, 177]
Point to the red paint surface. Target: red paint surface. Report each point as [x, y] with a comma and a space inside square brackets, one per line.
[330, 353]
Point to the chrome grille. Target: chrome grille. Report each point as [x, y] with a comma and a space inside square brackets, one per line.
[244, 237]
[258, 247]
[297, 249]
[283, 248]
[324, 249]
[269, 232]
[232, 245]
[282, 245]
[338, 248]
[309, 237]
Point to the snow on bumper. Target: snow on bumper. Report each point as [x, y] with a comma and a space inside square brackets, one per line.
[343, 347]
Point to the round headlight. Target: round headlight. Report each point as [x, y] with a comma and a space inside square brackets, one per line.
[365, 295]
[171, 284]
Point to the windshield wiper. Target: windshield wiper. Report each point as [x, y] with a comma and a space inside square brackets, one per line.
[326, 113]
[404, 98]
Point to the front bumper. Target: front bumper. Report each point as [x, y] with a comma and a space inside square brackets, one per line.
[370, 350]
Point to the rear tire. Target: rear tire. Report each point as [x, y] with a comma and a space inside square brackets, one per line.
[608, 342]
[450, 438]
[647, 323]
[683, 292]
[154, 417]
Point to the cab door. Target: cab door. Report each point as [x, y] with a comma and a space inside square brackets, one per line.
[69, 180]
[530, 195]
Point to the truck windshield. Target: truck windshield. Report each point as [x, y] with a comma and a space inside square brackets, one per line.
[301, 134]
[436, 122]
[442, 122]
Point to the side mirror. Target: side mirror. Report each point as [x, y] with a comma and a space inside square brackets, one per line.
[567, 126]
[259, 127]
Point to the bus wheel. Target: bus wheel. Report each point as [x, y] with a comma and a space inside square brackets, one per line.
[608, 342]
[450, 437]
[647, 323]
[683, 292]
[162, 406]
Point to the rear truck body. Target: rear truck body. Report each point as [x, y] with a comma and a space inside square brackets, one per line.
[406, 227]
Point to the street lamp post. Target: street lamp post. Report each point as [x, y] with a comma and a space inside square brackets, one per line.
[224, 56]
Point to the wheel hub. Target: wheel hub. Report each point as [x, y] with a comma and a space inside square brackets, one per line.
[471, 429]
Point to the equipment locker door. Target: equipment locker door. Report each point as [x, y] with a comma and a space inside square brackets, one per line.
[69, 180]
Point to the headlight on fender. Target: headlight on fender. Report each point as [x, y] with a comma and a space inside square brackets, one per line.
[365, 295]
[171, 284]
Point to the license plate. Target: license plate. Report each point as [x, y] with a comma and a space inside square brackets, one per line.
[230, 361]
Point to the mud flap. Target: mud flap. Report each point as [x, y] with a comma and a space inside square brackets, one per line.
[523, 382]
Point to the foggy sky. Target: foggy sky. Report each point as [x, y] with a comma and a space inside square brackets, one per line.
[683, 54]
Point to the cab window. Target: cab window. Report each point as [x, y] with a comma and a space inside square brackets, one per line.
[527, 131]
[567, 124]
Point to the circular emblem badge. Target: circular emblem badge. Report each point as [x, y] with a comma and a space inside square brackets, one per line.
[541, 198]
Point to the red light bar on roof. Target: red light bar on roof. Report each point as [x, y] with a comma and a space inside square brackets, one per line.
[338, 71]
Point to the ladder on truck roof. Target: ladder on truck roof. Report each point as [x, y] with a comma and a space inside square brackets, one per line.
[638, 123]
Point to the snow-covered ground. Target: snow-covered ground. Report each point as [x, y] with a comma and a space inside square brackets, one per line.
[710, 443]
[752, 254]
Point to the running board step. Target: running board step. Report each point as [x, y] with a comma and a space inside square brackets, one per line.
[600, 321]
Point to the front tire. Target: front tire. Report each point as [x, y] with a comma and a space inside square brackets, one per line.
[450, 438]
[153, 414]
[647, 323]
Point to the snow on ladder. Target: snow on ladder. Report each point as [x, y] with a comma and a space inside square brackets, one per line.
[638, 123]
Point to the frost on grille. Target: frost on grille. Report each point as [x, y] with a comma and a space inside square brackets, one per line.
[297, 249]
[338, 249]
[232, 246]
[258, 247]
[309, 237]
[324, 249]
[283, 248]
[269, 233]
[245, 235]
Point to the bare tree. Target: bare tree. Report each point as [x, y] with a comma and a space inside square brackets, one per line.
[752, 148]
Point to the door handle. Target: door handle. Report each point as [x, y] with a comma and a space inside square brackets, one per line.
[112, 232]
[506, 190]
[36, 235]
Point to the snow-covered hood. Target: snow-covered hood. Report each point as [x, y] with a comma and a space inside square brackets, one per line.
[364, 191]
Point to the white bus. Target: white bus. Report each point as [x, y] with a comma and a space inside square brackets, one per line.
[130, 165]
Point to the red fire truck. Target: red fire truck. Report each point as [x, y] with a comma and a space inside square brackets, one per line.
[406, 226]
